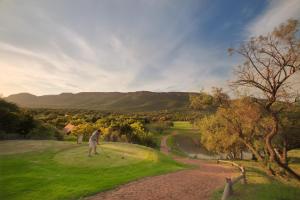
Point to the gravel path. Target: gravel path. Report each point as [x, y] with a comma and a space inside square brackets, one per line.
[188, 184]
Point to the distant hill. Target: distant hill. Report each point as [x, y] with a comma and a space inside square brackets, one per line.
[109, 101]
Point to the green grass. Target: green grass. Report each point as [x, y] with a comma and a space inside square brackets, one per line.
[263, 187]
[294, 159]
[174, 147]
[62, 170]
[180, 127]
[186, 141]
[158, 131]
[183, 125]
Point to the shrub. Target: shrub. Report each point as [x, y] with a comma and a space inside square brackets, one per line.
[44, 131]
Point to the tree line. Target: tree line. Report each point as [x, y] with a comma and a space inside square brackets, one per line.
[140, 128]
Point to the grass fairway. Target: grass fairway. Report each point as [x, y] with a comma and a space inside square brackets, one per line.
[62, 170]
[184, 125]
[263, 187]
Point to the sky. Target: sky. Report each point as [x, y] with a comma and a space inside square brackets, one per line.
[56, 46]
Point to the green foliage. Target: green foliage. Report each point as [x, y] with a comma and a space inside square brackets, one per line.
[14, 121]
[201, 101]
[159, 127]
[45, 131]
[116, 129]
[20, 123]
[235, 127]
[289, 128]
[215, 137]
[85, 129]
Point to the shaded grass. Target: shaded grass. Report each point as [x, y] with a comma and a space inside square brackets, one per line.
[174, 147]
[190, 142]
[261, 186]
[186, 140]
[178, 126]
[54, 173]
[158, 130]
[294, 159]
[22, 146]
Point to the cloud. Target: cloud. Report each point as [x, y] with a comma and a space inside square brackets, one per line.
[277, 12]
[110, 45]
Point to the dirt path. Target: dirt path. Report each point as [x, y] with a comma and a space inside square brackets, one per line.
[188, 184]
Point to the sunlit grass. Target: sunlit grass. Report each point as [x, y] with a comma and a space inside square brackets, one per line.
[110, 155]
[22, 146]
[182, 125]
[62, 170]
[294, 159]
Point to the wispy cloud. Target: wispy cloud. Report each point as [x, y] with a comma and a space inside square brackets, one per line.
[277, 12]
[110, 45]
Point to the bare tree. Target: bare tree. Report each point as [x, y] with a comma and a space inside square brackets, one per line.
[219, 96]
[271, 62]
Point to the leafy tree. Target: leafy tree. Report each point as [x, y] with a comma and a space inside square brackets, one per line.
[85, 129]
[26, 123]
[244, 119]
[201, 101]
[233, 128]
[270, 63]
[13, 120]
[215, 138]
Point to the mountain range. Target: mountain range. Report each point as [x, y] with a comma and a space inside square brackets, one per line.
[106, 101]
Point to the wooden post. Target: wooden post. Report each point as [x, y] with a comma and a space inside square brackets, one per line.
[79, 138]
[228, 189]
[244, 180]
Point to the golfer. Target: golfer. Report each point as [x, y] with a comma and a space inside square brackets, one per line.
[93, 141]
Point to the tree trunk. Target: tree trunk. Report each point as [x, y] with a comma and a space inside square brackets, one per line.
[254, 151]
[284, 152]
[270, 136]
[253, 157]
[273, 157]
[288, 169]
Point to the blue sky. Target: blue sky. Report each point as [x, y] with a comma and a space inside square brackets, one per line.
[55, 46]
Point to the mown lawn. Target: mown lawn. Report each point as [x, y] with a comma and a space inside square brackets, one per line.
[184, 125]
[263, 187]
[62, 170]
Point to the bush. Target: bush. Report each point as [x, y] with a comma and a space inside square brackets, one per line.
[160, 127]
[14, 120]
[44, 132]
[10, 136]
